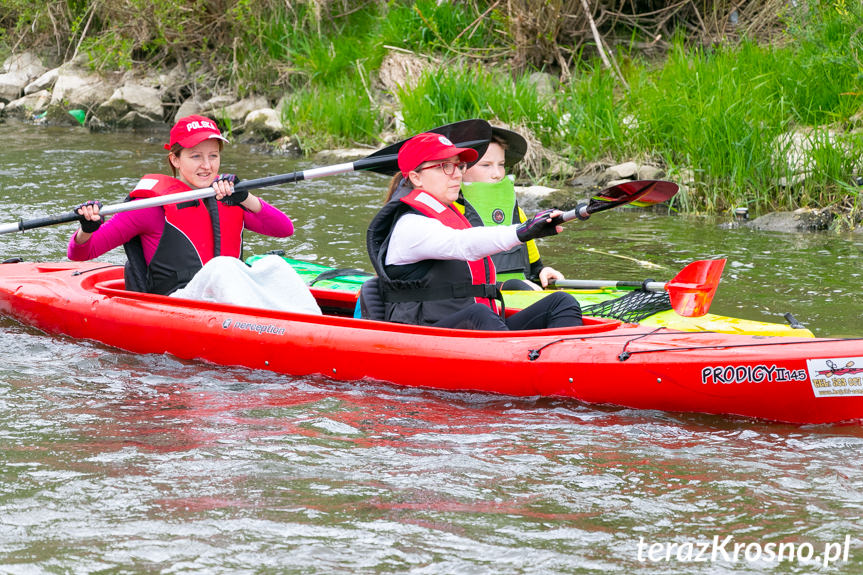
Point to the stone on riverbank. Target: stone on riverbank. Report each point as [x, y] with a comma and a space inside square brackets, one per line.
[132, 105]
[18, 71]
[237, 112]
[76, 87]
[28, 106]
[530, 197]
[401, 70]
[43, 82]
[116, 100]
[802, 220]
[263, 124]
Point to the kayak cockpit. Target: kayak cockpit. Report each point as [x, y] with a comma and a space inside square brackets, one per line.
[336, 305]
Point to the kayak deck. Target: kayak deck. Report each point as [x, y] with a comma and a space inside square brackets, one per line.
[350, 280]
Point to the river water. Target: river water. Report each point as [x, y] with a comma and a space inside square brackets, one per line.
[119, 463]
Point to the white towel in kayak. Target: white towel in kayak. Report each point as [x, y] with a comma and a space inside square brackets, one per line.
[270, 283]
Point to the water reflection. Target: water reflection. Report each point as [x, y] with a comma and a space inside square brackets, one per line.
[204, 466]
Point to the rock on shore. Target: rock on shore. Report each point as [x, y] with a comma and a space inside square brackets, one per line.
[73, 93]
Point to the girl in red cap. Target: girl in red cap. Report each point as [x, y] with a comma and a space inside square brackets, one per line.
[433, 267]
[167, 245]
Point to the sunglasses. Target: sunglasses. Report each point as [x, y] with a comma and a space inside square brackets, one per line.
[448, 168]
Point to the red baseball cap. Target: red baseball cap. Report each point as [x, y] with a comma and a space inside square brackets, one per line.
[192, 130]
[427, 147]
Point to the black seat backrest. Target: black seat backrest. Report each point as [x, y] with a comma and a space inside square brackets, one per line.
[371, 300]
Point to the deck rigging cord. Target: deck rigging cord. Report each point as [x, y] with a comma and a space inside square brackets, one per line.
[625, 354]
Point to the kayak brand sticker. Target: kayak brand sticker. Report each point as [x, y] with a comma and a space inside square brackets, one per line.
[751, 374]
[837, 376]
[258, 328]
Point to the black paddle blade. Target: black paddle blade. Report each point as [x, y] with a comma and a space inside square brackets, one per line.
[465, 134]
[637, 193]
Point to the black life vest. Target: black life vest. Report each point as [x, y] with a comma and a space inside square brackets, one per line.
[427, 291]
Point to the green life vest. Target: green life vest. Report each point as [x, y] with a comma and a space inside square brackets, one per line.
[495, 204]
[493, 201]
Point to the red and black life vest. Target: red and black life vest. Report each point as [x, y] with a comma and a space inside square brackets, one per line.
[195, 232]
[427, 291]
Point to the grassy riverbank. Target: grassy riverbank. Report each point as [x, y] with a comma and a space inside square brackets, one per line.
[716, 109]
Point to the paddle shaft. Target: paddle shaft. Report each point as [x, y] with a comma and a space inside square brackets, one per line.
[177, 198]
[579, 212]
[599, 284]
[383, 161]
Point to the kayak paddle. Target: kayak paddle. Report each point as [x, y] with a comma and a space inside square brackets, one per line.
[637, 193]
[465, 134]
[691, 291]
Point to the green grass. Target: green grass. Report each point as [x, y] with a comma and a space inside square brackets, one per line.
[593, 120]
[718, 111]
[430, 25]
[472, 91]
[721, 111]
[326, 116]
[306, 51]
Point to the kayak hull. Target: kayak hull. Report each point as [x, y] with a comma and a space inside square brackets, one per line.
[604, 362]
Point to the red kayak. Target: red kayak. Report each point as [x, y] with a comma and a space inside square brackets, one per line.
[791, 379]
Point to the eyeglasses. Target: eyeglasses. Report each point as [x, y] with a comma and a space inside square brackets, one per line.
[448, 168]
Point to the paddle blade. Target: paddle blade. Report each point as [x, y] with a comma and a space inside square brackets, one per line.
[637, 193]
[474, 134]
[691, 291]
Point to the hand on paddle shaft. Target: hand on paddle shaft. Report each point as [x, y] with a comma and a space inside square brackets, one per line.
[88, 215]
[90, 219]
[545, 223]
[226, 193]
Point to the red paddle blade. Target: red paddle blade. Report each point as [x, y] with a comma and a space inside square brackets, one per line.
[691, 291]
[637, 193]
[657, 193]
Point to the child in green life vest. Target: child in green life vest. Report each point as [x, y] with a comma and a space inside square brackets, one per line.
[488, 199]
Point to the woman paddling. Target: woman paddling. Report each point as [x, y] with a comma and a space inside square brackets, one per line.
[488, 199]
[433, 267]
[167, 246]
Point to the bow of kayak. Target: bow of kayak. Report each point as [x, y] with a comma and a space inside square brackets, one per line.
[792, 379]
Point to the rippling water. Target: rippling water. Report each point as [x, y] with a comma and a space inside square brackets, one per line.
[113, 462]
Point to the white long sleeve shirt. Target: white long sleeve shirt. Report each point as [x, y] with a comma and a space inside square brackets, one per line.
[416, 238]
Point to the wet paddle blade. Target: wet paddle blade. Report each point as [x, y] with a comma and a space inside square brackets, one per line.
[637, 193]
[691, 291]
